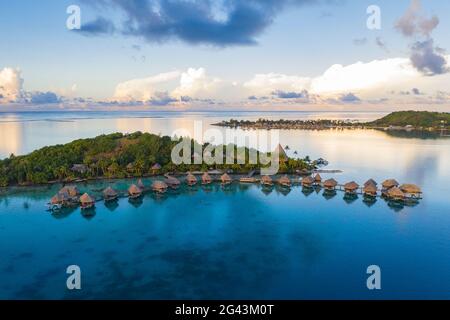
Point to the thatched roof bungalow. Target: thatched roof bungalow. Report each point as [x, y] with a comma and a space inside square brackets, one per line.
[370, 181]
[159, 187]
[266, 181]
[395, 194]
[87, 201]
[61, 198]
[351, 187]
[411, 190]
[226, 179]
[390, 183]
[140, 184]
[317, 179]
[173, 182]
[110, 194]
[191, 179]
[71, 191]
[134, 191]
[155, 168]
[206, 178]
[285, 181]
[307, 181]
[370, 190]
[330, 184]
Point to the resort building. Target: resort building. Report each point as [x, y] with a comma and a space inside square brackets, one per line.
[330, 184]
[226, 179]
[206, 178]
[285, 181]
[109, 194]
[266, 181]
[87, 201]
[134, 192]
[351, 187]
[173, 182]
[191, 179]
[307, 181]
[411, 190]
[159, 187]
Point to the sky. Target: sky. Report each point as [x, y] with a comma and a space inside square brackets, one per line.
[197, 54]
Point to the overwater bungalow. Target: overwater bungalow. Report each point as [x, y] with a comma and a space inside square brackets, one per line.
[317, 180]
[307, 182]
[159, 187]
[141, 185]
[370, 182]
[351, 187]
[370, 190]
[58, 201]
[206, 178]
[330, 184]
[284, 181]
[109, 194]
[155, 168]
[86, 201]
[226, 179]
[389, 183]
[411, 191]
[134, 192]
[71, 191]
[191, 179]
[173, 182]
[396, 194]
[266, 181]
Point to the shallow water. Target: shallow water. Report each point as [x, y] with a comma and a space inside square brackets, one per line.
[240, 242]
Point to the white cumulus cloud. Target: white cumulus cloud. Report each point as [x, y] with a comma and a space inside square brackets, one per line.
[10, 85]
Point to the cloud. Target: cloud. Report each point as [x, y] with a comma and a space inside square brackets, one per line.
[413, 23]
[197, 84]
[145, 88]
[428, 59]
[265, 84]
[44, 98]
[349, 97]
[290, 95]
[219, 23]
[97, 27]
[161, 99]
[416, 91]
[425, 57]
[10, 85]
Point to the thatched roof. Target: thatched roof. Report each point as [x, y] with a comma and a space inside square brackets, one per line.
[352, 186]
[156, 166]
[191, 178]
[206, 177]
[370, 188]
[330, 183]
[395, 192]
[134, 189]
[370, 181]
[317, 178]
[284, 180]
[71, 191]
[225, 178]
[130, 166]
[390, 183]
[140, 184]
[410, 188]
[109, 192]
[172, 181]
[266, 179]
[85, 198]
[159, 185]
[308, 180]
[59, 198]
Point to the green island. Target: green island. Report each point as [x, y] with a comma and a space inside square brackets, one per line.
[121, 156]
[401, 120]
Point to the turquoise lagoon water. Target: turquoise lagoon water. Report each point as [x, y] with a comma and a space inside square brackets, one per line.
[236, 243]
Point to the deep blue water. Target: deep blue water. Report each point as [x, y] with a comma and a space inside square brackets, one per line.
[236, 243]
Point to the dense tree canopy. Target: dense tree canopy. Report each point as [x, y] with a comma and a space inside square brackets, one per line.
[112, 156]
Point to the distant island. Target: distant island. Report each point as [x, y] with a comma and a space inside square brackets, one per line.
[401, 120]
[120, 156]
